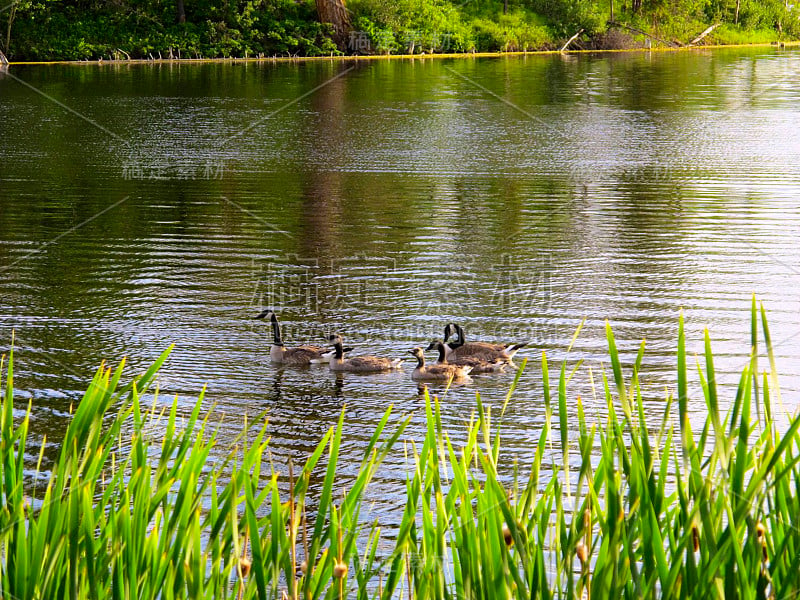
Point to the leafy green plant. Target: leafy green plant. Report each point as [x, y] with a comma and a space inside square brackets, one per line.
[509, 33]
[731, 34]
[619, 508]
[158, 522]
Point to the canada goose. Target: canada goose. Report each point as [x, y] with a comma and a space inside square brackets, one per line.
[278, 353]
[484, 350]
[359, 364]
[327, 356]
[478, 364]
[437, 372]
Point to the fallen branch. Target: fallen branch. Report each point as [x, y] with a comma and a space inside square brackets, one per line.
[704, 34]
[570, 40]
[639, 31]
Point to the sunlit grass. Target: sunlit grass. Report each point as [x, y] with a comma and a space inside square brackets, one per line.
[651, 510]
[731, 34]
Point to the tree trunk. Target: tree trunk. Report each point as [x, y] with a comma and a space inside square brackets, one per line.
[12, 13]
[505, 7]
[736, 17]
[335, 13]
[181, 12]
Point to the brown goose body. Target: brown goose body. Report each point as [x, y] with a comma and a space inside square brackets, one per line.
[479, 365]
[438, 371]
[487, 351]
[359, 364]
[299, 356]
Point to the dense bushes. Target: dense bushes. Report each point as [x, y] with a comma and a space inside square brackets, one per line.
[57, 29]
[439, 27]
[63, 30]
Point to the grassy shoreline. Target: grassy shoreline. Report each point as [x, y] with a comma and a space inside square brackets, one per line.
[384, 57]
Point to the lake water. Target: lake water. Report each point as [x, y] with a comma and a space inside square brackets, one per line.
[147, 205]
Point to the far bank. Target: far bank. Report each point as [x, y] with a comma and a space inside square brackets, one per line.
[171, 30]
[393, 57]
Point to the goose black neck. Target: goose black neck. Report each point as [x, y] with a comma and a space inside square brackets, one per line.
[460, 332]
[451, 330]
[276, 331]
[339, 350]
[440, 348]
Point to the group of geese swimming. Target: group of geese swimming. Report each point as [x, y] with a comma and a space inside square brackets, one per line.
[457, 357]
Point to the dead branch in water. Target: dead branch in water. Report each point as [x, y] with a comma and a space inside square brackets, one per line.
[570, 40]
[704, 34]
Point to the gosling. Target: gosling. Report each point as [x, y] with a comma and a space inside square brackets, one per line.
[437, 372]
[359, 364]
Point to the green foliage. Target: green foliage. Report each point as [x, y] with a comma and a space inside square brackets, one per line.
[755, 18]
[731, 34]
[58, 29]
[790, 23]
[415, 26]
[619, 509]
[511, 32]
[761, 14]
[568, 17]
[160, 520]
[270, 27]
[411, 26]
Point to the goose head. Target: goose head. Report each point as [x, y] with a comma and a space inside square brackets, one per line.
[434, 345]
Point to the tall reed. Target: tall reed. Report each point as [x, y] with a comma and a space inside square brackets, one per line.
[647, 510]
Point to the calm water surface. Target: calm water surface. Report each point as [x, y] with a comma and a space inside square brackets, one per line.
[517, 196]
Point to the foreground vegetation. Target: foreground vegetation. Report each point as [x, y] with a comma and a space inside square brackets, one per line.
[644, 511]
[95, 29]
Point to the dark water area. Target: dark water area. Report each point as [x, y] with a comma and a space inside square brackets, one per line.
[517, 196]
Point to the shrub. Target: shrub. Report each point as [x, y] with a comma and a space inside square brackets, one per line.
[510, 33]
